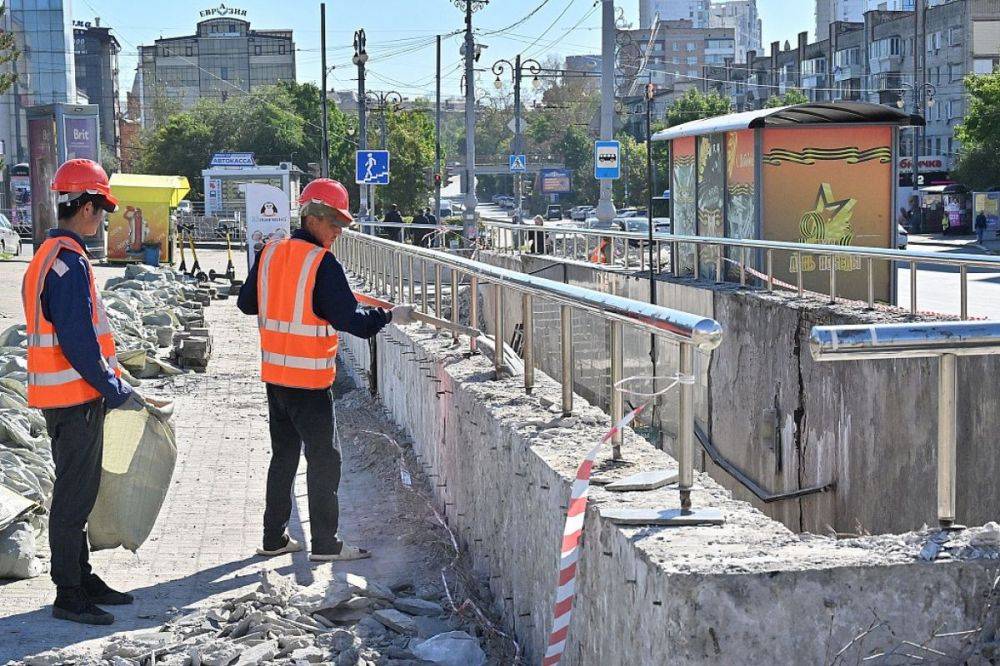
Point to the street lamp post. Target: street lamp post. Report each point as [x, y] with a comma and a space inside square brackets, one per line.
[928, 90]
[360, 58]
[469, 215]
[380, 102]
[517, 71]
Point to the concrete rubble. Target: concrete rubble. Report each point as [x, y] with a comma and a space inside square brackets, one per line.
[157, 315]
[283, 623]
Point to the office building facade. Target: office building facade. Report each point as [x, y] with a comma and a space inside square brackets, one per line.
[45, 69]
[224, 57]
[96, 63]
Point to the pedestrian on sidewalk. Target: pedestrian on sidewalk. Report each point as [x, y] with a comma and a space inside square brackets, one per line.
[301, 297]
[74, 377]
[980, 227]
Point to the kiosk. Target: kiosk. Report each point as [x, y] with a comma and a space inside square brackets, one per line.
[142, 220]
[821, 173]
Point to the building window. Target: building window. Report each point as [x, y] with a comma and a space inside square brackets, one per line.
[954, 37]
[692, 60]
[933, 42]
[676, 60]
[690, 46]
[677, 47]
[224, 73]
[232, 27]
[957, 72]
[884, 48]
[281, 49]
[188, 51]
[256, 49]
[984, 65]
[847, 57]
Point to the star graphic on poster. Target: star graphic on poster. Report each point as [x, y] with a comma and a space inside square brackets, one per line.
[830, 220]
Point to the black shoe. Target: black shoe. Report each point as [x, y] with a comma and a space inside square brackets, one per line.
[73, 604]
[99, 593]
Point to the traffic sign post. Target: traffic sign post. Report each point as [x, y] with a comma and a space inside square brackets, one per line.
[518, 163]
[607, 162]
[371, 167]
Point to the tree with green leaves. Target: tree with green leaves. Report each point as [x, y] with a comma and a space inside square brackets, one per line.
[410, 140]
[978, 166]
[695, 105]
[8, 54]
[793, 96]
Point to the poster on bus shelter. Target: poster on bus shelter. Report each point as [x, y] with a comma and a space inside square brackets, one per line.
[710, 193]
[741, 193]
[80, 135]
[42, 149]
[829, 186]
[685, 213]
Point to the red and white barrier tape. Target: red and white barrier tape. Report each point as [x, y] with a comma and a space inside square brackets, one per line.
[562, 611]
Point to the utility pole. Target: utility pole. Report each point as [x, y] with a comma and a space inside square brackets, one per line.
[437, 137]
[325, 161]
[360, 58]
[469, 216]
[650, 96]
[606, 206]
[917, 48]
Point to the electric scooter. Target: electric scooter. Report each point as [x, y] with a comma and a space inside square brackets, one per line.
[230, 273]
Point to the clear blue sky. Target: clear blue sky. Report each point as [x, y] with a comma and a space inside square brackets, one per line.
[401, 32]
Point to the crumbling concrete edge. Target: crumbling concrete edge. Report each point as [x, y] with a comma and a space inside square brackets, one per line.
[748, 592]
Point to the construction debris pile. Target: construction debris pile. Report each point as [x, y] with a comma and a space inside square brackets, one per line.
[347, 621]
[150, 310]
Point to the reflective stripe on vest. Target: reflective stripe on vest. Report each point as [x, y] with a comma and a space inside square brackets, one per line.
[298, 349]
[52, 380]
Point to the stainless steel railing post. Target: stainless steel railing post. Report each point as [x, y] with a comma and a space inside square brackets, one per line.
[947, 438]
[798, 274]
[473, 309]
[399, 277]
[963, 279]
[913, 288]
[412, 282]
[617, 399]
[833, 279]
[498, 334]
[566, 349]
[871, 283]
[423, 285]
[437, 291]
[770, 270]
[527, 341]
[685, 427]
[454, 301]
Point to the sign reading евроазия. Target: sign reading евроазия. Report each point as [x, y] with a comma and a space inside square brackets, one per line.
[829, 186]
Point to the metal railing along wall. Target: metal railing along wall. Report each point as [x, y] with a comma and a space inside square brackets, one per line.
[945, 341]
[566, 243]
[380, 263]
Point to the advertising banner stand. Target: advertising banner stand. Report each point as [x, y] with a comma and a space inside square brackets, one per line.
[268, 217]
[143, 216]
[56, 133]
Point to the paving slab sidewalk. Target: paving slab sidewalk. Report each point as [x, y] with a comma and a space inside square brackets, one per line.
[202, 548]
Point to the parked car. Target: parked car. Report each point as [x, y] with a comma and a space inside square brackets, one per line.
[554, 212]
[10, 240]
[446, 211]
[184, 207]
[580, 213]
[902, 237]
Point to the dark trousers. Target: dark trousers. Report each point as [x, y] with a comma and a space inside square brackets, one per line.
[77, 446]
[303, 417]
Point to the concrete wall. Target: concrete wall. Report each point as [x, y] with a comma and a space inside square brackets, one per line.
[747, 592]
[868, 428]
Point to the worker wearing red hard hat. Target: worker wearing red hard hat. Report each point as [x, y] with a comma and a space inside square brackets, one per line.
[73, 377]
[301, 297]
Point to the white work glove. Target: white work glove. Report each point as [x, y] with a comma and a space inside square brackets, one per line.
[134, 403]
[402, 315]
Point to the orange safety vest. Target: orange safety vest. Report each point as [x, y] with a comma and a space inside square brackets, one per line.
[298, 349]
[52, 380]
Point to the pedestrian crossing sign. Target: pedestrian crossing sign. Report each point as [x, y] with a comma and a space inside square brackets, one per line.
[372, 167]
[518, 164]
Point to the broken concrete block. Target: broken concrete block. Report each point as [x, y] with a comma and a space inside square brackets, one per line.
[415, 606]
[430, 626]
[218, 653]
[455, 648]
[311, 654]
[398, 622]
[338, 640]
[258, 653]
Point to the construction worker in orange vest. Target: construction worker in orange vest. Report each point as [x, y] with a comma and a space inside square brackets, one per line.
[73, 377]
[301, 297]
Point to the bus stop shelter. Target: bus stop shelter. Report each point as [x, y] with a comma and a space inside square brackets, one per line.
[143, 217]
[820, 173]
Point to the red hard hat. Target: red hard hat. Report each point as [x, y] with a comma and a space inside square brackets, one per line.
[78, 176]
[329, 193]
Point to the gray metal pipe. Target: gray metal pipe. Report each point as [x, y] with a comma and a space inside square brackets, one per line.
[907, 340]
[617, 399]
[947, 438]
[528, 341]
[566, 347]
[685, 428]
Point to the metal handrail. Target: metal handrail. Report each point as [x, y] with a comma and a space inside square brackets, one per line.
[909, 257]
[944, 340]
[379, 262]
